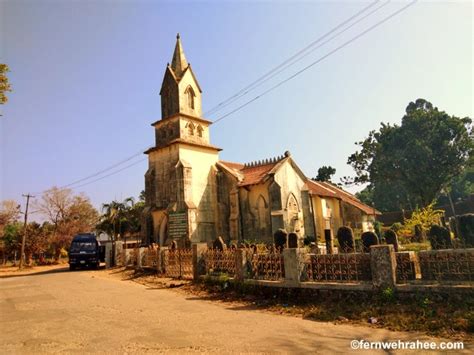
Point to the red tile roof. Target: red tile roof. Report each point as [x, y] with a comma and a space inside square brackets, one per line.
[252, 175]
[231, 165]
[316, 188]
[351, 199]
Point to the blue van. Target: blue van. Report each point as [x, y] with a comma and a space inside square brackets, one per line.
[85, 251]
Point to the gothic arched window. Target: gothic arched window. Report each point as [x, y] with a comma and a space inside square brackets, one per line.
[199, 130]
[262, 213]
[190, 97]
[191, 127]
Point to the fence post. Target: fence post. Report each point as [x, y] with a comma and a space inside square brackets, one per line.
[383, 265]
[198, 251]
[139, 258]
[240, 264]
[294, 263]
[162, 260]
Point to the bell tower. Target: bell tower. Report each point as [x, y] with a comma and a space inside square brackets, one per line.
[180, 91]
[180, 185]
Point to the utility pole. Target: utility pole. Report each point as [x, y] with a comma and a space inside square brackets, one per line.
[23, 239]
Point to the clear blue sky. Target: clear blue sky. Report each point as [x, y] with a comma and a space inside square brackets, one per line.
[86, 77]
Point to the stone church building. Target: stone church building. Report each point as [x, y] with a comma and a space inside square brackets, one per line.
[193, 196]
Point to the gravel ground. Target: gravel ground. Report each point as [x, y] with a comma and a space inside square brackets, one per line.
[53, 310]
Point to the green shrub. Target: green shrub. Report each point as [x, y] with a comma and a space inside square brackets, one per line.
[378, 229]
[396, 226]
[391, 237]
[439, 237]
[466, 229]
[369, 239]
[345, 238]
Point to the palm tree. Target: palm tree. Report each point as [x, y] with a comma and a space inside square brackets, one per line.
[115, 218]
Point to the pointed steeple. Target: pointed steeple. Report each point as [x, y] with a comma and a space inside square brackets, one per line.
[179, 62]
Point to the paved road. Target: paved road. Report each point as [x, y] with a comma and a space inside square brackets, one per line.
[88, 311]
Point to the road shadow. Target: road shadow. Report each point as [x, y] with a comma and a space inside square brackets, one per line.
[47, 272]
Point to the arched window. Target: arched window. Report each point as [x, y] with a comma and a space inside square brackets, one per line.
[262, 213]
[191, 127]
[292, 206]
[199, 130]
[190, 97]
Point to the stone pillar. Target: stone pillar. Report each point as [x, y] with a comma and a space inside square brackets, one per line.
[160, 265]
[383, 265]
[240, 264]
[328, 238]
[198, 267]
[119, 253]
[109, 255]
[294, 264]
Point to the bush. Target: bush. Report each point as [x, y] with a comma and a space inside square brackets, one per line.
[369, 239]
[345, 238]
[378, 229]
[396, 227]
[466, 229]
[391, 238]
[439, 237]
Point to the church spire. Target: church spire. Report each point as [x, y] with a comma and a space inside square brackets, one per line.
[179, 62]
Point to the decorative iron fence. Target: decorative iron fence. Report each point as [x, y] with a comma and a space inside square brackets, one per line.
[267, 265]
[344, 267]
[150, 258]
[178, 263]
[447, 265]
[408, 267]
[217, 261]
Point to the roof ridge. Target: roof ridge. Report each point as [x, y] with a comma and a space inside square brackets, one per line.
[267, 161]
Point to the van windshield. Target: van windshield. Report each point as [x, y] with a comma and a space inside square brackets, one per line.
[82, 246]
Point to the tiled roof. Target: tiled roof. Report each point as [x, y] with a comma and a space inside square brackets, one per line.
[231, 165]
[351, 199]
[316, 188]
[255, 174]
[252, 175]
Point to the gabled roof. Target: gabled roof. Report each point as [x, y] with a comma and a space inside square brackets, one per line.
[258, 172]
[316, 188]
[247, 174]
[350, 199]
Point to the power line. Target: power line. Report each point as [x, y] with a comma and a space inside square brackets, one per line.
[317, 61]
[105, 169]
[266, 77]
[290, 63]
[248, 88]
[112, 173]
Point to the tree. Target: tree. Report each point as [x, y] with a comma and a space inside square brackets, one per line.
[420, 157]
[4, 84]
[325, 173]
[68, 213]
[121, 217]
[9, 213]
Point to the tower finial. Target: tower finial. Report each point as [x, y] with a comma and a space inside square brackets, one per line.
[179, 62]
